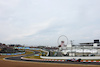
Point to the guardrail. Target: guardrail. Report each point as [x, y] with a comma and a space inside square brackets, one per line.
[46, 51]
[48, 57]
[27, 48]
[42, 59]
[12, 53]
[58, 60]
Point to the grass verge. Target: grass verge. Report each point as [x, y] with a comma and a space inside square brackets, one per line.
[4, 56]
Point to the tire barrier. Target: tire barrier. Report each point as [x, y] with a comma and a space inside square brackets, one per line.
[89, 61]
[12, 53]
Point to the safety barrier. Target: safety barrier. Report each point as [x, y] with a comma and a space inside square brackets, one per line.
[36, 55]
[29, 58]
[63, 57]
[12, 53]
[27, 48]
[51, 60]
[42, 59]
[46, 51]
[35, 49]
[89, 61]
[57, 60]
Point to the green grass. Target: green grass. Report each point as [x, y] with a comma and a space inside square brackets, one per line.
[37, 57]
[28, 52]
[33, 57]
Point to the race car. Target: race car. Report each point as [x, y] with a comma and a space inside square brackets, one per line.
[74, 60]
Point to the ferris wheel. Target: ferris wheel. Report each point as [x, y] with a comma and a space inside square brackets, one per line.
[62, 39]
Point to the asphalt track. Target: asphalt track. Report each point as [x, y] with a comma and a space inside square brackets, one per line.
[18, 58]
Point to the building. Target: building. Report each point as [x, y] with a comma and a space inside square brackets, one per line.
[83, 49]
[96, 43]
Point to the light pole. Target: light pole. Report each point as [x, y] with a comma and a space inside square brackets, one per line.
[71, 45]
[83, 50]
[75, 50]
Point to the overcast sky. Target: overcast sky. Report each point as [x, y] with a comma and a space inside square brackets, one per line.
[41, 22]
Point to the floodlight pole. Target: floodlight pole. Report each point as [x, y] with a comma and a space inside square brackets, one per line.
[71, 44]
[92, 49]
[83, 50]
[75, 50]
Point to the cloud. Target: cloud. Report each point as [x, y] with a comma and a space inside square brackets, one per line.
[42, 22]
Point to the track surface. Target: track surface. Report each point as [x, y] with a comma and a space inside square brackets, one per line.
[18, 58]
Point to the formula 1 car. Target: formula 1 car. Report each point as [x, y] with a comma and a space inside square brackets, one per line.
[74, 60]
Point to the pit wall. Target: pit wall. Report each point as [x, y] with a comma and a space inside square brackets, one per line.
[44, 57]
